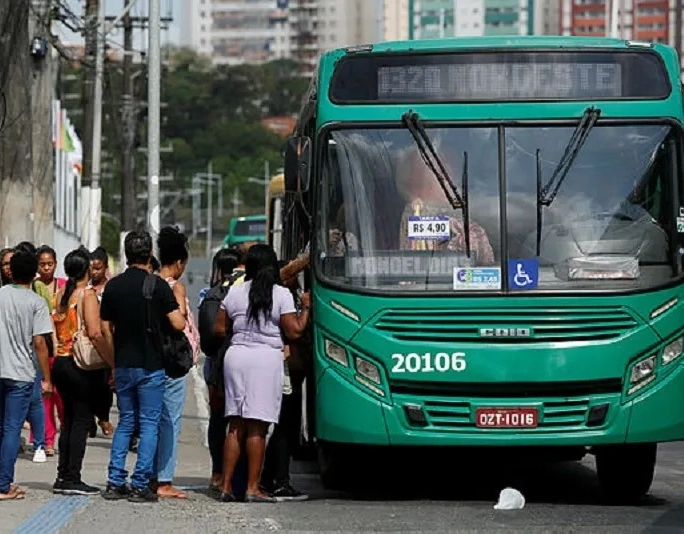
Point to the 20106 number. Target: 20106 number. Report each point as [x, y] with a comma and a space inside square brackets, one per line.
[426, 363]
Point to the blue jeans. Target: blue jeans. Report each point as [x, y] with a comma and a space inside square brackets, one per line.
[139, 394]
[36, 413]
[170, 429]
[14, 404]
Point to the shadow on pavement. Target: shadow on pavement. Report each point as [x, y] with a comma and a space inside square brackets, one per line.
[421, 478]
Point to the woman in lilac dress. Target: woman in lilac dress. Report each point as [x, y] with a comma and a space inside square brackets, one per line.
[256, 314]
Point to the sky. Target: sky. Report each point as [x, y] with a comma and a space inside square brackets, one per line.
[140, 9]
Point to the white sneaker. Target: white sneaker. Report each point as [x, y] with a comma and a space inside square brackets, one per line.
[39, 456]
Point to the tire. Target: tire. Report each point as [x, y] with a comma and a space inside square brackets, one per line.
[334, 467]
[625, 472]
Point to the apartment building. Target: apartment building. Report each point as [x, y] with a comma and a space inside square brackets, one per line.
[254, 31]
[433, 19]
[647, 20]
[395, 20]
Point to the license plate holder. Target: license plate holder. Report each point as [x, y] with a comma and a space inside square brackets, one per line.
[506, 417]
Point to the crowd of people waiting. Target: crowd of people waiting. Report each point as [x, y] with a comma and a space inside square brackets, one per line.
[67, 345]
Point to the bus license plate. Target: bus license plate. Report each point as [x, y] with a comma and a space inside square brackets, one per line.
[506, 417]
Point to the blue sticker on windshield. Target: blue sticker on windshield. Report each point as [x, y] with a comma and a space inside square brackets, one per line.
[523, 274]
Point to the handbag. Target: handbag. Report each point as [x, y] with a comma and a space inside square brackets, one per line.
[86, 356]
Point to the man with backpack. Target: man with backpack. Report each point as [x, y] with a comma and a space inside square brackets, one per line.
[129, 318]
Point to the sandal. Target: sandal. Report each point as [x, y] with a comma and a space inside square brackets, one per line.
[167, 491]
[12, 495]
[227, 497]
[16, 489]
[49, 451]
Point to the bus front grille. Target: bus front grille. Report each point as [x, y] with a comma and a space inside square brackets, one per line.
[570, 413]
[512, 325]
[556, 414]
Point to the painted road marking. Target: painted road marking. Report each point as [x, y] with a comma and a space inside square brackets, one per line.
[53, 516]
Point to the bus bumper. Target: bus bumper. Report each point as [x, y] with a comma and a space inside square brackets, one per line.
[347, 412]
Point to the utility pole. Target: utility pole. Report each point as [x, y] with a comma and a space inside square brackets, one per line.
[16, 194]
[267, 182]
[128, 181]
[95, 204]
[153, 119]
[210, 209]
[92, 10]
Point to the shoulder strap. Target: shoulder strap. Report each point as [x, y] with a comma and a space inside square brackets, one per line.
[235, 277]
[147, 291]
[79, 309]
[148, 286]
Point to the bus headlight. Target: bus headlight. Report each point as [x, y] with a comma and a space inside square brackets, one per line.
[672, 351]
[336, 353]
[368, 370]
[368, 374]
[642, 373]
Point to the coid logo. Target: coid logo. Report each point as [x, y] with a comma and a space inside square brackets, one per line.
[505, 332]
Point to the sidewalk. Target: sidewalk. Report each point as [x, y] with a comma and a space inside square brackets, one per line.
[44, 513]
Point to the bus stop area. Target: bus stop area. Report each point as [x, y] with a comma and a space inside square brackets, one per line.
[413, 495]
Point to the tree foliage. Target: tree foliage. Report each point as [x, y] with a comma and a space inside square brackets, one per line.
[211, 114]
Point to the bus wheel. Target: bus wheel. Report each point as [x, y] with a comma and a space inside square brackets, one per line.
[333, 466]
[625, 472]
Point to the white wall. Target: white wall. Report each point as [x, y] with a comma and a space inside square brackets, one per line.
[63, 243]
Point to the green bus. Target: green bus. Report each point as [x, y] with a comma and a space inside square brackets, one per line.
[496, 229]
[244, 229]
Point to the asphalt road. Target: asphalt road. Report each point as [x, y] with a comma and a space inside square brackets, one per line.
[413, 494]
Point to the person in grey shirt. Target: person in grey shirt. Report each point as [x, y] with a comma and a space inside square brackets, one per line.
[24, 320]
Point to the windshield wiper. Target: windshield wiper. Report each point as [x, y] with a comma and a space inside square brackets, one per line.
[434, 163]
[547, 193]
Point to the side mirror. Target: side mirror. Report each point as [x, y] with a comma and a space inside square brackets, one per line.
[297, 164]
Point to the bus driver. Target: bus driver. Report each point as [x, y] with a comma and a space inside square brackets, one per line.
[425, 198]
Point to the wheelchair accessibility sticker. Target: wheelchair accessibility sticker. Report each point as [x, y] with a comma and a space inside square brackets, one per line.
[523, 274]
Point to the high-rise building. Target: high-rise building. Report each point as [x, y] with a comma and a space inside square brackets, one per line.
[255, 31]
[433, 19]
[460, 18]
[395, 21]
[647, 20]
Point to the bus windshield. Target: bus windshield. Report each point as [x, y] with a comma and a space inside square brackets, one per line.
[386, 224]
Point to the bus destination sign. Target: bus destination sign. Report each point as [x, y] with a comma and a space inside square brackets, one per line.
[500, 82]
[500, 76]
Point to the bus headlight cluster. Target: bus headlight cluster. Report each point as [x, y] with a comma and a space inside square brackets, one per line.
[672, 351]
[368, 370]
[368, 374]
[642, 373]
[336, 353]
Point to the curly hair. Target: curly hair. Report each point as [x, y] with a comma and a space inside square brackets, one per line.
[173, 246]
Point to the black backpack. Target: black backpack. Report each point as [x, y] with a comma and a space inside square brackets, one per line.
[174, 346]
[206, 318]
